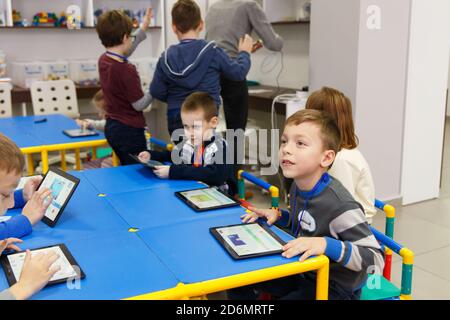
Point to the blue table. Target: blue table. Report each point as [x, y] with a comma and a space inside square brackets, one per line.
[43, 137]
[46, 133]
[194, 255]
[117, 266]
[133, 178]
[172, 244]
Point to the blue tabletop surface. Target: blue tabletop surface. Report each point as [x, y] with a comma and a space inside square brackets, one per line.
[159, 206]
[173, 243]
[117, 266]
[26, 133]
[194, 255]
[133, 178]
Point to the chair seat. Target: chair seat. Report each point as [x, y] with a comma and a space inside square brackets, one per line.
[386, 291]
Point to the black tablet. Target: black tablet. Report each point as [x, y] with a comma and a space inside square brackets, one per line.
[80, 133]
[206, 199]
[248, 240]
[70, 270]
[63, 186]
[150, 163]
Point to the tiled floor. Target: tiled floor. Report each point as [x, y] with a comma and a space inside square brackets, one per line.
[425, 229]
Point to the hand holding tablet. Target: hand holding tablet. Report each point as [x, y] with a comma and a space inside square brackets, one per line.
[80, 133]
[54, 193]
[33, 269]
[152, 164]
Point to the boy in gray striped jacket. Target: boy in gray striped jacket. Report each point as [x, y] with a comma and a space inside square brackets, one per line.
[324, 217]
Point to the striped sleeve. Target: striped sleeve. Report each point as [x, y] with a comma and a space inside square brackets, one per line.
[352, 243]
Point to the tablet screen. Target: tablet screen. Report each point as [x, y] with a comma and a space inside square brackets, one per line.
[249, 239]
[207, 198]
[62, 186]
[75, 133]
[67, 270]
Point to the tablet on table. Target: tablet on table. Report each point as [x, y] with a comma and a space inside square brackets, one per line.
[12, 264]
[63, 186]
[209, 198]
[79, 133]
[248, 240]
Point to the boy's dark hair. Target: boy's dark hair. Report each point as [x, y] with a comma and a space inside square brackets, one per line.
[186, 15]
[200, 101]
[112, 26]
[330, 135]
[11, 158]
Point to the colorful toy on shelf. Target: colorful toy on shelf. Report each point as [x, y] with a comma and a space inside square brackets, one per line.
[45, 19]
[62, 21]
[17, 19]
[73, 13]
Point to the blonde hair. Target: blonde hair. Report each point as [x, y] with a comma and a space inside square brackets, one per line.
[339, 107]
[11, 158]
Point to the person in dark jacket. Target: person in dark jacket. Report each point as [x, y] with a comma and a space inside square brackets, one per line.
[194, 64]
[202, 154]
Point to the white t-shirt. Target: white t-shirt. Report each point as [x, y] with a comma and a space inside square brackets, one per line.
[352, 170]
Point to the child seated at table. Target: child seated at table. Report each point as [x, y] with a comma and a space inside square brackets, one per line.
[34, 203]
[37, 271]
[324, 218]
[201, 154]
[98, 101]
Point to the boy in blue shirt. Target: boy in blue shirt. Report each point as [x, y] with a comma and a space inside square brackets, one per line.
[324, 218]
[38, 270]
[202, 153]
[34, 202]
[194, 64]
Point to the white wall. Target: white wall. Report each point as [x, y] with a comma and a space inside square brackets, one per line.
[380, 94]
[429, 52]
[369, 66]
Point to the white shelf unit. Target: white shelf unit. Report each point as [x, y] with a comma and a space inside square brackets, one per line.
[51, 43]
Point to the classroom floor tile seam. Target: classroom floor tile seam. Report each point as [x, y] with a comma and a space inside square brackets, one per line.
[421, 218]
[430, 272]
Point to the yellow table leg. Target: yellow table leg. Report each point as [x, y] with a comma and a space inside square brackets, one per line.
[63, 160]
[44, 156]
[77, 160]
[30, 164]
[115, 159]
[94, 153]
[322, 282]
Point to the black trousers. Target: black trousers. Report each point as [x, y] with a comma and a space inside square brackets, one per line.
[235, 106]
[125, 140]
[297, 287]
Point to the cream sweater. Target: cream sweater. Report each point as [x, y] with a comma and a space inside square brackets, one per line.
[353, 171]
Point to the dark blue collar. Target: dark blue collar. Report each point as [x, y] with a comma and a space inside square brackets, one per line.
[323, 182]
[124, 58]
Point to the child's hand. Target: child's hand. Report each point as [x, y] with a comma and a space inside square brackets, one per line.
[35, 209]
[256, 46]
[36, 273]
[306, 246]
[10, 244]
[83, 124]
[147, 19]
[246, 44]
[270, 214]
[144, 156]
[30, 187]
[162, 171]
